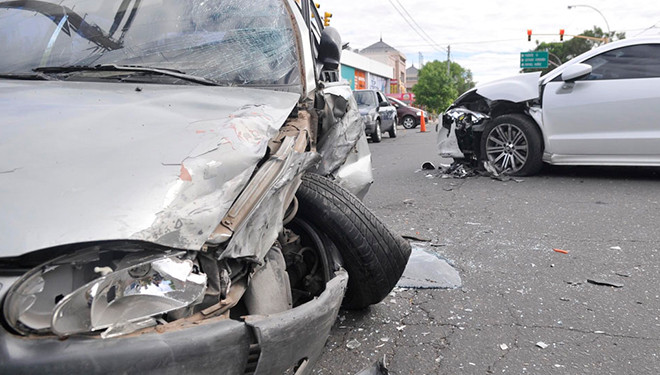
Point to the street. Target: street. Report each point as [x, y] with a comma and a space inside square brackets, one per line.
[559, 271]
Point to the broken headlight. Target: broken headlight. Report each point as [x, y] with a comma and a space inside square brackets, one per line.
[118, 291]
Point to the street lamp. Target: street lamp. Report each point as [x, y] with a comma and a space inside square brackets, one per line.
[599, 12]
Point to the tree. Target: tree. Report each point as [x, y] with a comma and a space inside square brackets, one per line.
[461, 77]
[560, 52]
[436, 90]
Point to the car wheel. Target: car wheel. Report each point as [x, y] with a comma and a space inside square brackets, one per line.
[409, 122]
[392, 131]
[512, 144]
[374, 256]
[377, 135]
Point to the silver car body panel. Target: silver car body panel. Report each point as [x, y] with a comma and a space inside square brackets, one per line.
[515, 89]
[164, 169]
[343, 146]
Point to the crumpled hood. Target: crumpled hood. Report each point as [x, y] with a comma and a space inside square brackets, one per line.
[518, 88]
[105, 161]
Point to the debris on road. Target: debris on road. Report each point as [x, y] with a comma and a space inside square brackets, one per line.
[504, 346]
[615, 248]
[623, 274]
[413, 238]
[353, 344]
[377, 368]
[426, 270]
[560, 251]
[605, 283]
[542, 345]
[428, 166]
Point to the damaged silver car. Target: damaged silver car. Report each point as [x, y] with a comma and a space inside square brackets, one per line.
[600, 108]
[180, 185]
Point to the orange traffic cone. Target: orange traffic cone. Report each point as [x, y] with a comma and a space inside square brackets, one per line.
[423, 124]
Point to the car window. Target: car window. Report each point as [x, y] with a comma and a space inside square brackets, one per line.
[365, 98]
[381, 98]
[640, 61]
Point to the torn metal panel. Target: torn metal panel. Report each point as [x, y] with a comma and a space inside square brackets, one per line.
[456, 137]
[161, 165]
[356, 174]
[254, 236]
[341, 129]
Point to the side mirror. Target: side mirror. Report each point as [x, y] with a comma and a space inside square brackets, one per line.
[384, 104]
[576, 72]
[330, 49]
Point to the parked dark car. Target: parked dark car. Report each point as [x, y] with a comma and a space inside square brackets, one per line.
[378, 114]
[180, 188]
[409, 117]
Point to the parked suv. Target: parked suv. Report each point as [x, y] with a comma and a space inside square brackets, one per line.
[408, 116]
[378, 114]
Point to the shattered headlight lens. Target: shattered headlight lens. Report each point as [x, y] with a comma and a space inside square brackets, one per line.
[101, 289]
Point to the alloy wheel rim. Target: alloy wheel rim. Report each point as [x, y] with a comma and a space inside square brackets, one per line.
[507, 148]
[408, 123]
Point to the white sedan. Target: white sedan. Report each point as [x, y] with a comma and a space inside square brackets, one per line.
[600, 108]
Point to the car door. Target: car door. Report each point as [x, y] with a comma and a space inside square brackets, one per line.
[613, 115]
[388, 113]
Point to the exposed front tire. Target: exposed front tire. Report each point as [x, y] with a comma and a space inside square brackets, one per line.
[374, 256]
[409, 122]
[392, 131]
[512, 144]
[377, 134]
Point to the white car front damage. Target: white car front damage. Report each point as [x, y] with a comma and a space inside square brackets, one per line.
[461, 124]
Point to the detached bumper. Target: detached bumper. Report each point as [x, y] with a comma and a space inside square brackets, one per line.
[262, 345]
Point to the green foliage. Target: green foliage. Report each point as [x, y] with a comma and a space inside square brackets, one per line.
[561, 52]
[435, 90]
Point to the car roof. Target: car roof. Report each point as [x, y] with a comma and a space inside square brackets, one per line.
[598, 50]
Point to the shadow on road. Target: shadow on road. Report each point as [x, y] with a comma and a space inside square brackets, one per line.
[610, 173]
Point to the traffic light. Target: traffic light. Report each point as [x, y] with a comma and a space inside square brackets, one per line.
[326, 18]
[561, 35]
[529, 35]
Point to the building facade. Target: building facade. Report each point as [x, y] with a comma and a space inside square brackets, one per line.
[365, 73]
[411, 78]
[386, 54]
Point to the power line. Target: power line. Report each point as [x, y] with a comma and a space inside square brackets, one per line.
[419, 27]
[433, 44]
[460, 43]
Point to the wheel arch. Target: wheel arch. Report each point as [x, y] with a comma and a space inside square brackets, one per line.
[503, 107]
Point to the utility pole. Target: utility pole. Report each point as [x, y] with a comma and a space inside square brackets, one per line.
[448, 55]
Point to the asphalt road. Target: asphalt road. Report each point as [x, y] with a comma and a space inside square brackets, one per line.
[523, 308]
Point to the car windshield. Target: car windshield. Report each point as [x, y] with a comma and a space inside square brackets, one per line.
[228, 42]
[365, 98]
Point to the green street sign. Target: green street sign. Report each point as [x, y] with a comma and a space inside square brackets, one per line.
[536, 59]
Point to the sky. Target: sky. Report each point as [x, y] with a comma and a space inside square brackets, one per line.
[484, 36]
